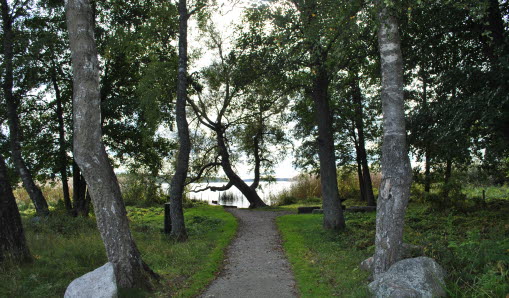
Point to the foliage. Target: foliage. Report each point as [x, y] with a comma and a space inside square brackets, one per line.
[65, 248]
[141, 189]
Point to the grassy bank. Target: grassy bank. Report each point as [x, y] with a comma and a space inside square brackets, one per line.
[64, 248]
[473, 247]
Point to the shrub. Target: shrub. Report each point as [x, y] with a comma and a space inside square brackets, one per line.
[140, 189]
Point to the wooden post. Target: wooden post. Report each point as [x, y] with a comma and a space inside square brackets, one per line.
[167, 218]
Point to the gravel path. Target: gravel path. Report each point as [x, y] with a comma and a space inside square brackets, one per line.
[256, 265]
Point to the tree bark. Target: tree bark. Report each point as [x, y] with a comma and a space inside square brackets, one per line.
[90, 153]
[178, 229]
[359, 175]
[447, 177]
[333, 214]
[396, 170]
[80, 198]
[427, 153]
[251, 195]
[13, 247]
[41, 206]
[257, 160]
[62, 152]
[363, 157]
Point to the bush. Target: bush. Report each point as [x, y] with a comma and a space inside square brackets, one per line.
[140, 189]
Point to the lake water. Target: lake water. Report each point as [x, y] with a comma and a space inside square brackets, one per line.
[265, 190]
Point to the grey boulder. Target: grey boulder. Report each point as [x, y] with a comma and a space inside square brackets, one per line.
[100, 283]
[417, 277]
[409, 251]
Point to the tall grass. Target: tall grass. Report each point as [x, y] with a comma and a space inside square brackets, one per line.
[306, 189]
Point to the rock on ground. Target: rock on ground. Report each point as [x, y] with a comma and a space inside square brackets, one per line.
[417, 277]
[100, 283]
[409, 251]
[256, 265]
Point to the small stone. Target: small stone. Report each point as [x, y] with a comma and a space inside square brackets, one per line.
[367, 264]
[100, 283]
[417, 277]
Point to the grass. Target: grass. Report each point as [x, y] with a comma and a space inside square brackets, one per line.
[473, 248]
[323, 262]
[65, 248]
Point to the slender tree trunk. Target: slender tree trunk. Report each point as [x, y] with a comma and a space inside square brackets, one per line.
[62, 152]
[13, 247]
[90, 154]
[251, 195]
[361, 179]
[178, 229]
[427, 153]
[447, 177]
[359, 124]
[41, 206]
[333, 214]
[427, 171]
[258, 161]
[396, 171]
[81, 202]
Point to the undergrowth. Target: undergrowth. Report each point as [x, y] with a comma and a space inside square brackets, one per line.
[473, 247]
[65, 248]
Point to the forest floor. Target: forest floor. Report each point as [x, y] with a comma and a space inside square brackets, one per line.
[256, 265]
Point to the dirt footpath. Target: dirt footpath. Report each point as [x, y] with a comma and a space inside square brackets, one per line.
[256, 265]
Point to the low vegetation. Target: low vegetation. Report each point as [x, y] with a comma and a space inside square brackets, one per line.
[65, 248]
[472, 245]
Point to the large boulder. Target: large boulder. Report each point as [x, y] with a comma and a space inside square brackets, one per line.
[417, 277]
[100, 283]
[409, 251]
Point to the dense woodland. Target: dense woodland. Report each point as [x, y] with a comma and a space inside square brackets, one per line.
[379, 101]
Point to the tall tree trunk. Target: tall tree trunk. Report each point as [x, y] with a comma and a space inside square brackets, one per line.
[447, 177]
[359, 175]
[81, 202]
[333, 214]
[13, 247]
[257, 159]
[178, 229]
[396, 170]
[62, 152]
[359, 124]
[90, 154]
[427, 171]
[427, 153]
[251, 195]
[41, 206]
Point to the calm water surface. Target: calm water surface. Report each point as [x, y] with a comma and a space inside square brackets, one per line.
[265, 190]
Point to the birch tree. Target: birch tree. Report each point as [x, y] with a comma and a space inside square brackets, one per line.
[396, 171]
[90, 153]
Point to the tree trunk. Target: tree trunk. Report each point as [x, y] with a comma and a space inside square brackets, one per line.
[396, 170]
[333, 214]
[447, 177]
[258, 161]
[359, 124]
[81, 202]
[359, 168]
[251, 195]
[427, 153]
[13, 247]
[178, 229]
[41, 206]
[427, 171]
[90, 154]
[62, 152]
